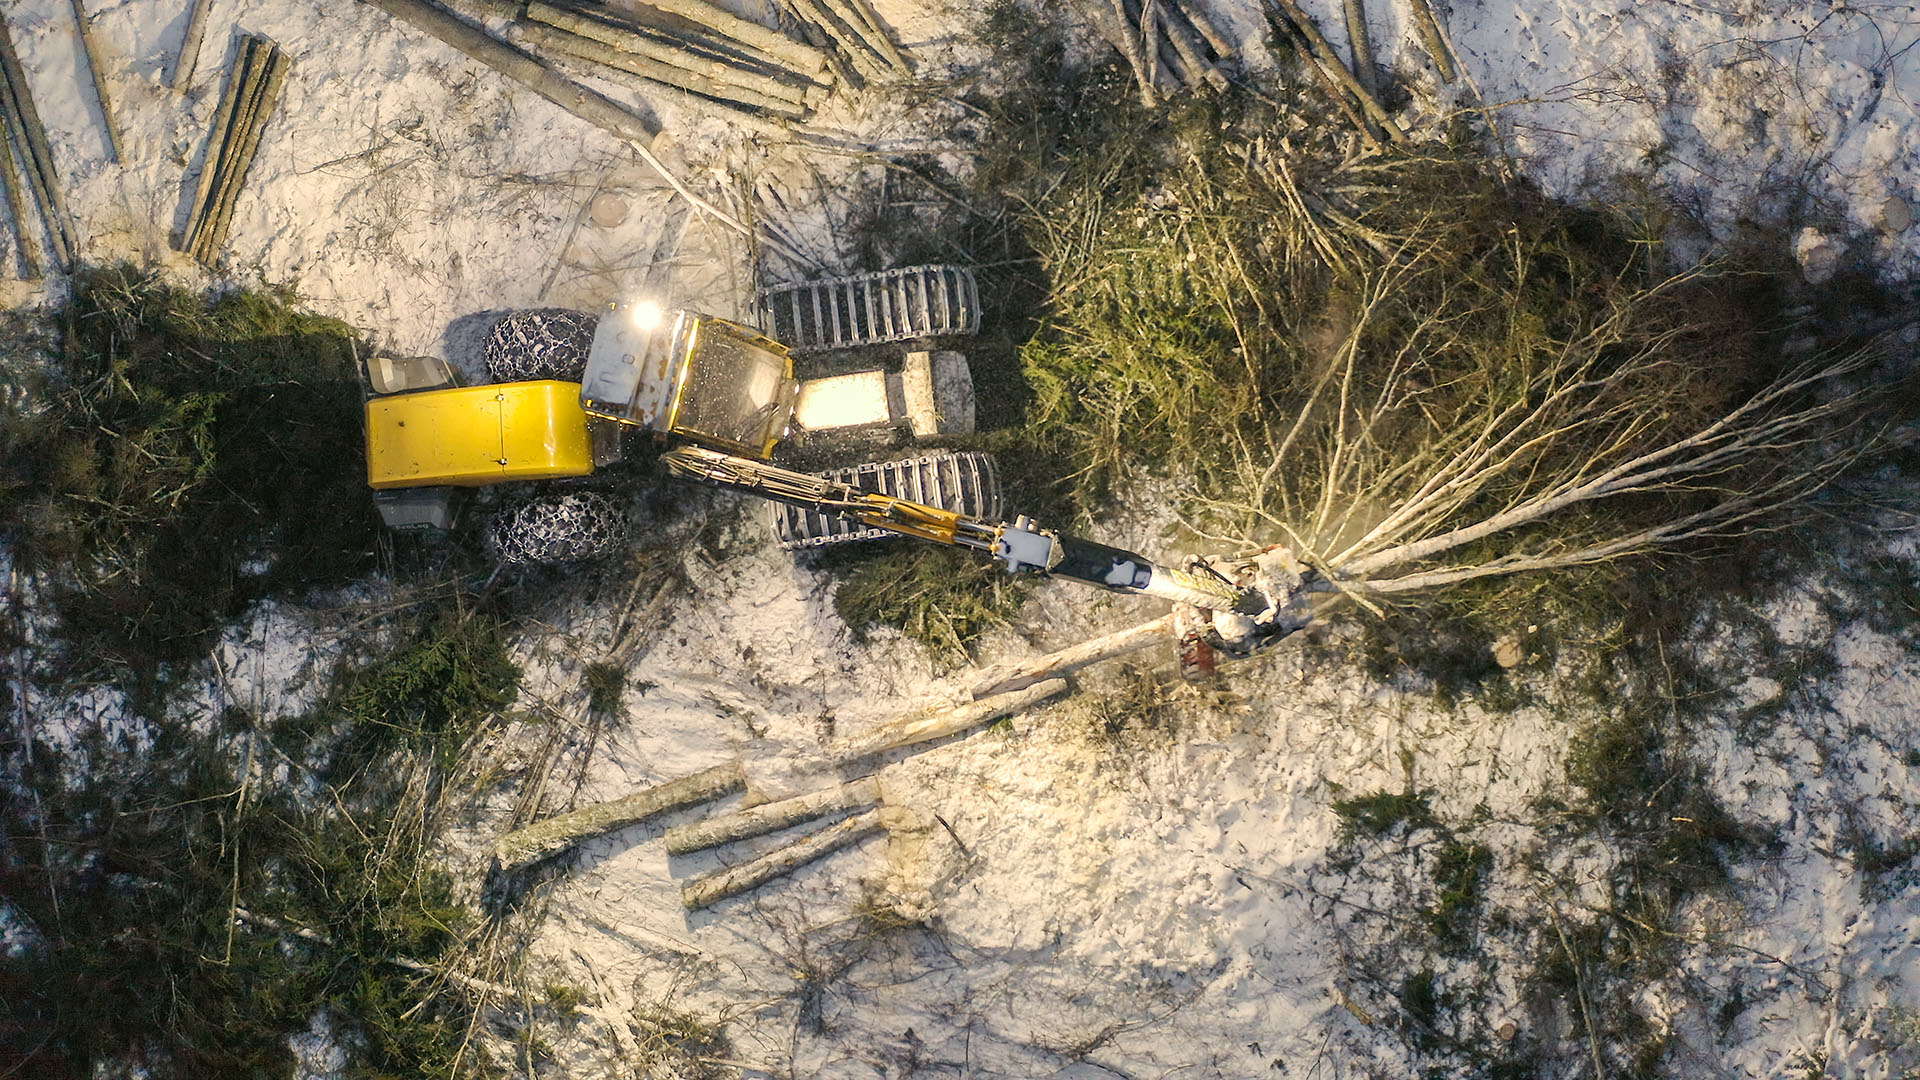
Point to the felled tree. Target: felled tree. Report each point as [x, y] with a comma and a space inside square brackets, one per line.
[1413, 374]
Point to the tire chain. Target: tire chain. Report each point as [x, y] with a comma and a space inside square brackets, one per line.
[557, 529]
[542, 343]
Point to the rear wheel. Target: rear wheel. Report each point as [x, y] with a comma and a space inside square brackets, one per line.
[549, 529]
[543, 343]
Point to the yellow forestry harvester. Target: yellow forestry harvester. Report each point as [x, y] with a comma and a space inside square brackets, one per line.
[720, 396]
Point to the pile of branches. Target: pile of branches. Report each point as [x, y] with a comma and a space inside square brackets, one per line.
[1412, 373]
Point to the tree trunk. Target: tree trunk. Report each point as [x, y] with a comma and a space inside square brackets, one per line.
[1057, 664]
[710, 890]
[216, 140]
[878, 32]
[679, 78]
[771, 817]
[803, 57]
[1188, 47]
[1362, 43]
[1433, 39]
[545, 839]
[258, 112]
[1204, 25]
[99, 71]
[716, 73]
[951, 720]
[39, 154]
[17, 204]
[595, 109]
[1317, 43]
[189, 57]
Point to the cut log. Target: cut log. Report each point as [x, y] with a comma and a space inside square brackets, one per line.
[17, 203]
[1100, 15]
[1316, 43]
[717, 72]
[85, 26]
[595, 109]
[1203, 24]
[210, 158]
[878, 32]
[800, 56]
[1362, 43]
[841, 67]
[592, 69]
[680, 78]
[1431, 37]
[848, 44]
[544, 839]
[771, 817]
[253, 108]
[866, 36]
[1188, 46]
[1056, 664]
[189, 57]
[36, 153]
[710, 890]
[949, 720]
[1338, 95]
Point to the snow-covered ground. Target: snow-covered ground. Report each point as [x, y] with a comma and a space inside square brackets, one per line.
[1158, 900]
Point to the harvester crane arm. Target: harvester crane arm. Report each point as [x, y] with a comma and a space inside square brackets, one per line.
[1022, 545]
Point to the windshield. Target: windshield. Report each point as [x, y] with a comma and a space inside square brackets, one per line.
[737, 391]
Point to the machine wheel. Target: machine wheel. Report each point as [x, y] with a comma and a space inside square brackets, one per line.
[543, 343]
[549, 529]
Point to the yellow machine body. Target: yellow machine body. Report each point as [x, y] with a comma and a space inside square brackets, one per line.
[472, 436]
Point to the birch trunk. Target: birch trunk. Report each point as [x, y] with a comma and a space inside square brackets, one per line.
[1188, 47]
[771, 817]
[1204, 25]
[544, 839]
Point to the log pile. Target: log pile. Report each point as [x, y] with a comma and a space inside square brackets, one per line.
[1171, 45]
[24, 151]
[693, 47]
[253, 89]
[1376, 126]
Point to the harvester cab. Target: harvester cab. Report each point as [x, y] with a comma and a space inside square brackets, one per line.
[690, 378]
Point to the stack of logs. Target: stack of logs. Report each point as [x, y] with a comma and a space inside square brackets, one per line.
[1170, 44]
[24, 147]
[253, 89]
[695, 47]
